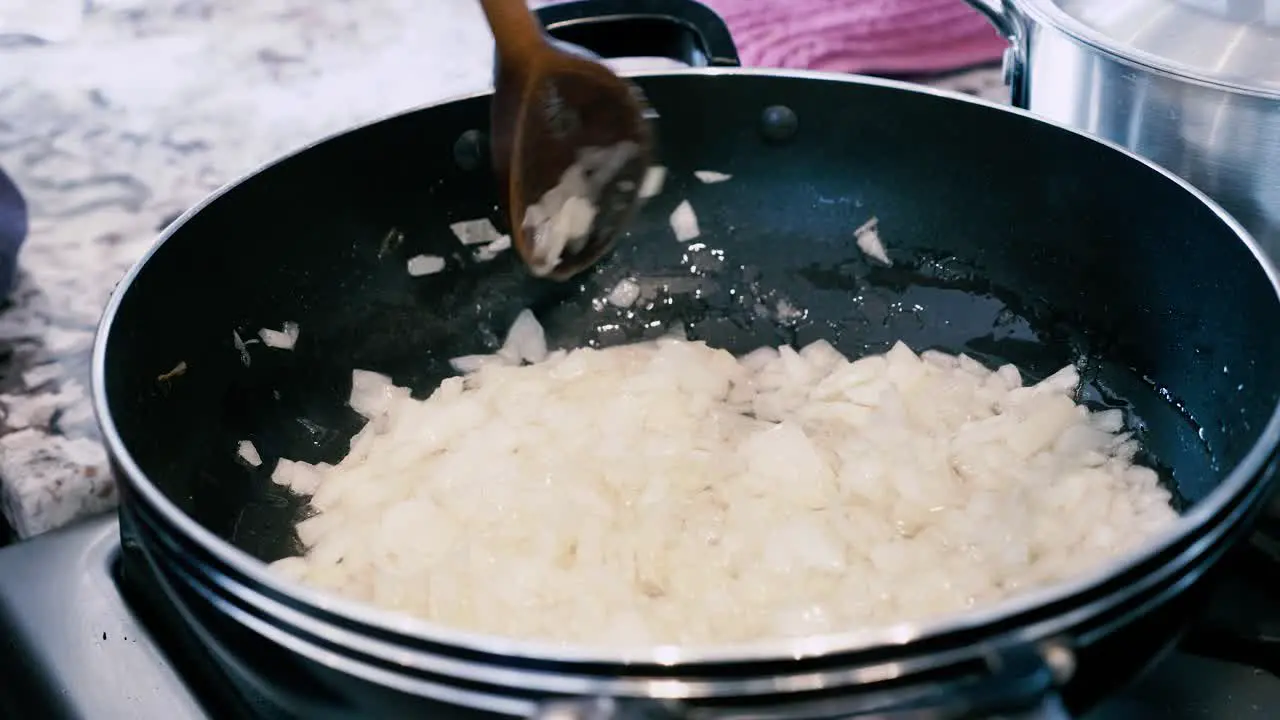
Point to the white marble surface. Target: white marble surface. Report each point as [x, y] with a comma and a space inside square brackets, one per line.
[135, 111]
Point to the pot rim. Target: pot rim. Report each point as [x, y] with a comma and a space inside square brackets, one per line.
[1047, 12]
[1232, 485]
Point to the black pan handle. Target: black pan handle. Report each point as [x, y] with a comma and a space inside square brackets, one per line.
[1021, 683]
[683, 30]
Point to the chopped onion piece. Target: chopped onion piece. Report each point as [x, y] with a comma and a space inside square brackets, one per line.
[684, 223]
[493, 249]
[240, 347]
[249, 453]
[654, 178]
[283, 339]
[372, 393]
[420, 265]
[562, 218]
[787, 312]
[602, 495]
[300, 477]
[291, 568]
[526, 341]
[557, 223]
[625, 293]
[467, 364]
[475, 232]
[868, 237]
[178, 370]
[711, 177]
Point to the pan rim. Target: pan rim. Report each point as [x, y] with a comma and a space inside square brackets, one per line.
[1232, 485]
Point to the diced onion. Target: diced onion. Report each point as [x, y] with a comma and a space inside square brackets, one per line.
[475, 232]
[420, 265]
[625, 293]
[282, 339]
[711, 177]
[666, 492]
[684, 223]
[525, 340]
[868, 239]
[248, 452]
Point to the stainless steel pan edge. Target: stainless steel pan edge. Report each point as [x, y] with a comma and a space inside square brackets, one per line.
[1222, 137]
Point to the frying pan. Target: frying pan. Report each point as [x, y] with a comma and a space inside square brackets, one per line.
[1013, 239]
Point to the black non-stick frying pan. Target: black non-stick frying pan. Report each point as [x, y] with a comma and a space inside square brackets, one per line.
[1012, 239]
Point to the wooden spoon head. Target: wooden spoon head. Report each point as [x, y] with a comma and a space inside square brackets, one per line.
[571, 146]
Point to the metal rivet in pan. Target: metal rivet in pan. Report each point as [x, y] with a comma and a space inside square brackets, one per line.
[778, 123]
[469, 150]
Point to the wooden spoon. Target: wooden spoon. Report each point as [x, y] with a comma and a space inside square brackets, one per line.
[569, 142]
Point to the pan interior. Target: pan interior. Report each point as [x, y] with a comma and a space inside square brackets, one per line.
[1012, 240]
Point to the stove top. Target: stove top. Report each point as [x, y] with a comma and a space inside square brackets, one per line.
[83, 638]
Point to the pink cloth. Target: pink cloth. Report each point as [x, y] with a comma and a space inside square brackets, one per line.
[862, 36]
[900, 37]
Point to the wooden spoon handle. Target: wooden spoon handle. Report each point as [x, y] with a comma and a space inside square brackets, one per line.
[516, 31]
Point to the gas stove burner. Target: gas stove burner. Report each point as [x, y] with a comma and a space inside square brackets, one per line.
[90, 635]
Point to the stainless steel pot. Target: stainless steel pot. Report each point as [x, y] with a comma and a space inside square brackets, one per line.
[1192, 84]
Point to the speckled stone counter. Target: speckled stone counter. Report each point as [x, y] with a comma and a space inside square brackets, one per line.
[137, 110]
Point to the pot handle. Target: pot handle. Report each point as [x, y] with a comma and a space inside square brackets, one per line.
[998, 13]
[1004, 15]
[1021, 683]
[684, 30]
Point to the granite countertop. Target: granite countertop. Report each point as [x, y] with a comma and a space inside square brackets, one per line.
[133, 112]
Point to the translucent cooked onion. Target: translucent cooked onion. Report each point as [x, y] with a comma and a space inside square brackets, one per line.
[711, 177]
[283, 339]
[684, 223]
[420, 265]
[668, 492]
[868, 238]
